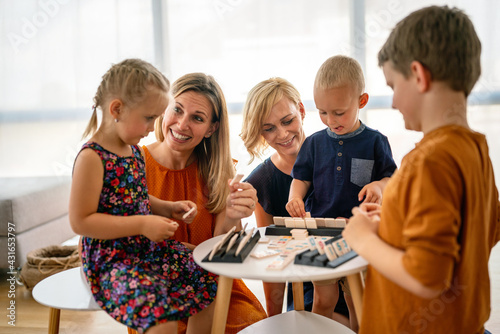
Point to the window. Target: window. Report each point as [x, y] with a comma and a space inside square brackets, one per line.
[54, 52]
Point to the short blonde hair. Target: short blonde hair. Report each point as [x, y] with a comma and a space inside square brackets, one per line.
[214, 154]
[443, 40]
[258, 105]
[338, 71]
[129, 81]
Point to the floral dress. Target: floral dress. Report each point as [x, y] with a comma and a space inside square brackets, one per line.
[140, 283]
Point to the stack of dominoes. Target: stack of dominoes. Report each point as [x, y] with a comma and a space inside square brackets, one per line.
[299, 234]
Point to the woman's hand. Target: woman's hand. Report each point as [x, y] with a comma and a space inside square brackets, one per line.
[158, 228]
[179, 209]
[241, 200]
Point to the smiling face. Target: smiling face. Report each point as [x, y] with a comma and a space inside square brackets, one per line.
[282, 129]
[136, 122]
[339, 108]
[188, 121]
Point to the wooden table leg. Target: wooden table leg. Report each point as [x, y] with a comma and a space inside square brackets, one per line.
[356, 287]
[222, 304]
[298, 296]
[54, 317]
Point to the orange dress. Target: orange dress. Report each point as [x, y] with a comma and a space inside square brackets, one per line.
[186, 184]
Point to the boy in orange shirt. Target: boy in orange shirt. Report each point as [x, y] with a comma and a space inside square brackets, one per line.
[428, 245]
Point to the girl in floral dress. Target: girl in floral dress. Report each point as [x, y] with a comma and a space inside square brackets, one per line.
[136, 273]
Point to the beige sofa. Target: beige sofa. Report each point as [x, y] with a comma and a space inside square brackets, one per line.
[33, 214]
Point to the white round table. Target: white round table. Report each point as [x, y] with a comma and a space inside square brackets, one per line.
[252, 268]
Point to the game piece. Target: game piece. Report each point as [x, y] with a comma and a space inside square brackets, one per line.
[330, 252]
[308, 215]
[320, 222]
[244, 242]
[320, 246]
[237, 178]
[279, 242]
[263, 240]
[340, 223]
[329, 222]
[265, 253]
[232, 241]
[312, 243]
[299, 234]
[228, 235]
[243, 229]
[311, 223]
[289, 222]
[279, 221]
[299, 222]
[281, 262]
[188, 213]
[215, 249]
[338, 248]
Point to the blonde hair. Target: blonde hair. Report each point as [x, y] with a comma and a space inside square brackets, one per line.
[257, 109]
[214, 154]
[129, 81]
[340, 70]
[443, 40]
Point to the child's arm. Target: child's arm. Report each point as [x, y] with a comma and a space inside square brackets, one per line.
[84, 199]
[176, 210]
[361, 235]
[372, 192]
[298, 191]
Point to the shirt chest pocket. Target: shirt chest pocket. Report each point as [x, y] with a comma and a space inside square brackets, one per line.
[361, 171]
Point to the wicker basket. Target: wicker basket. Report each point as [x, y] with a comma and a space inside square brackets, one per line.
[43, 262]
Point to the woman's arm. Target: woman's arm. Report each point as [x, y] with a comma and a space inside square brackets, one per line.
[84, 200]
[240, 204]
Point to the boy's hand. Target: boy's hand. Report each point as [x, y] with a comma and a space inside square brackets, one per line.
[361, 227]
[179, 209]
[295, 208]
[372, 193]
[158, 228]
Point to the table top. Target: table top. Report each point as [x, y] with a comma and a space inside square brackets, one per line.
[253, 268]
[67, 290]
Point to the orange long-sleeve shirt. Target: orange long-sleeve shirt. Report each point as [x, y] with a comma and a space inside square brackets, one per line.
[442, 209]
[186, 184]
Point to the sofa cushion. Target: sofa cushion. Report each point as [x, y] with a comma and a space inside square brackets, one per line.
[27, 202]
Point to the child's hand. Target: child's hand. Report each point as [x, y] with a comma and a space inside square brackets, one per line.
[372, 193]
[181, 208]
[158, 228]
[295, 208]
[241, 200]
[361, 227]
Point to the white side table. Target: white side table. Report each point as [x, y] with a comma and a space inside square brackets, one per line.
[253, 268]
[66, 290]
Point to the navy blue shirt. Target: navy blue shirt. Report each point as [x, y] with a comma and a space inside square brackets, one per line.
[273, 187]
[339, 166]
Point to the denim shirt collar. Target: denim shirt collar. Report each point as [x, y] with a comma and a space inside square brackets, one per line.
[347, 135]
